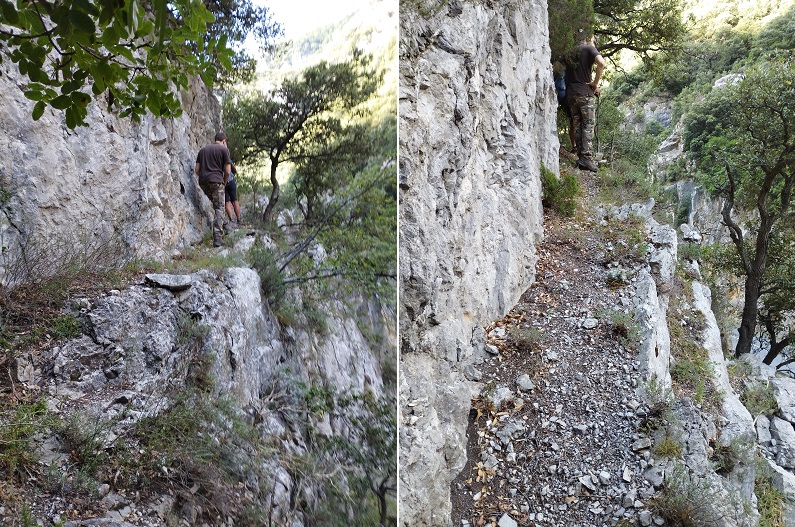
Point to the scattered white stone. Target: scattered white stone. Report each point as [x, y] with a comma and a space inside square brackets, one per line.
[588, 483]
[590, 323]
[507, 521]
[604, 477]
[498, 332]
[524, 383]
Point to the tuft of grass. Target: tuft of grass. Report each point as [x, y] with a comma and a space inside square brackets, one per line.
[625, 239]
[66, 327]
[770, 500]
[525, 339]
[19, 426]
[668, 448]
[622, 326]
[560, 194]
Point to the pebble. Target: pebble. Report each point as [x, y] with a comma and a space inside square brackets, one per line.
[507, 521]
[525, 383]
[590, 323]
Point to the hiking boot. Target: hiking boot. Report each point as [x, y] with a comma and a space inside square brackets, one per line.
[586, 164]
[217, 242]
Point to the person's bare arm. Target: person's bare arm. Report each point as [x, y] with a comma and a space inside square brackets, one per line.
[227, 171]
[600, 67]
[196, 169]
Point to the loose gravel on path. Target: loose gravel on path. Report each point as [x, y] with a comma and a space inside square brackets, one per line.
[551, 436]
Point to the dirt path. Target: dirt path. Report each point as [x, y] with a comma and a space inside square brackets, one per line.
[550, 438]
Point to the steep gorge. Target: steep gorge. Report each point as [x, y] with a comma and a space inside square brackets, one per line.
[178, 397]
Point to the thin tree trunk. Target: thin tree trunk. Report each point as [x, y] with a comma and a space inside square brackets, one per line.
[267, 216]
[750, 310]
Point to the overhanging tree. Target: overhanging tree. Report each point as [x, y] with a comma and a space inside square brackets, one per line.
[644, 27]
[744, 140]
[305, 120]
[135, 55]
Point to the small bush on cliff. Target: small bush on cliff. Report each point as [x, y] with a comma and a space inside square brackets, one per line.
[686, 500]
[759, 399]
[560, 194]
[770, 500]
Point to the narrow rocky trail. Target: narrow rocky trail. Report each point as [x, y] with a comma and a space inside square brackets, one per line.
[553, 436]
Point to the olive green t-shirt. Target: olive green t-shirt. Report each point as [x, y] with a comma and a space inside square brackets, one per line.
[211, 160]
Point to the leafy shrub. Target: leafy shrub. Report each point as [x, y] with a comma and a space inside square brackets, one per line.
[559, 194]
[262, 260]
[686, 500]
[759, 399]
[726, 457]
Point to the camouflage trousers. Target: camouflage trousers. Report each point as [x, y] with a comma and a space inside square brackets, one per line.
[583, 119]
[215, 191]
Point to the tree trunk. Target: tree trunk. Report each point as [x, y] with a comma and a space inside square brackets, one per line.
[270, 212]
[775, 350]
[750, 310]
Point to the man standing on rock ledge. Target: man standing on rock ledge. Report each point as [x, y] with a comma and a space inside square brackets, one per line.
[581, 92]
[213, 166]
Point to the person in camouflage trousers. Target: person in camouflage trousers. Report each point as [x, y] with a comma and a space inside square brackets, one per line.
[582, 92]
[213, 166]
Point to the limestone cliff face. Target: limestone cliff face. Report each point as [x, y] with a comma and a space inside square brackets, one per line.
[114, 177]
[477, 121]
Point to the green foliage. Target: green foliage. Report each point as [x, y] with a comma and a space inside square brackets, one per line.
[370, 451]
[738, 451]
[770, 500]
[26, 518]
[234, 21]
[686, 500]
[668, 448]
[759, 399]
[74, 51]
[525, 338]
[740, 139]
[305, 121]
[565, 18]
[644, 27]
[66, 327]
[19, 426]
[560, 194]
[262, 260]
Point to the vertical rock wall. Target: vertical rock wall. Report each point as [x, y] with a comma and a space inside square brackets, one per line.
[114, 178]
[477, 121]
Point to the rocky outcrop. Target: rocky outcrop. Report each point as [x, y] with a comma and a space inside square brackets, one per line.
[477, 122]
[145, 346]
[114, 181]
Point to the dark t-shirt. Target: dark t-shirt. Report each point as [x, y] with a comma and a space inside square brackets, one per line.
[211, 160]
[579, 75]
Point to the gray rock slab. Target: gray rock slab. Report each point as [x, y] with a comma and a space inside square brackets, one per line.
[172, 282]
[784, 392]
